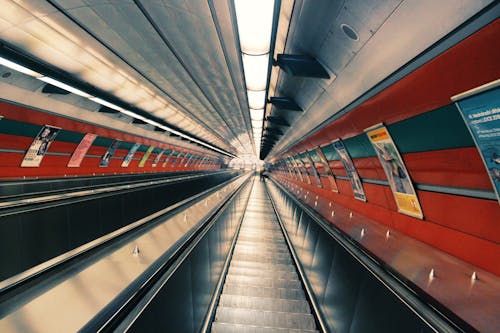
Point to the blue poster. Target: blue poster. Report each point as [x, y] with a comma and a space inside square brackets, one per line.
[106, 158]
[481, 112]
[352, 173]
[128, 158]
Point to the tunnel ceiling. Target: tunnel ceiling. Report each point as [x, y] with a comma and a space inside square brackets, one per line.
[180, 60]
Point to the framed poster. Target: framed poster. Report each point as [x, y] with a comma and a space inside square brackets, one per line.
[328, 170]
[177, 159]
[145, 157]
[352, 173]
[39, 146]
[106, 158]
[80, 151]
[296, 168]
[189, 160]
[480, 109]
[313, 168]
[300, 164]
[183, 161]
[157, 158]
[167, 158]
[395, 171]
[130, 155]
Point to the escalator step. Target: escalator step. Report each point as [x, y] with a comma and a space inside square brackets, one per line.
[235, 328]
[265, 318]
[256, 291]
[276, 274]
[265, 304]
[259, 281]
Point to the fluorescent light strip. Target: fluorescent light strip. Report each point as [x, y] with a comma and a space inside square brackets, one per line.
[19, 68]
[27, 71]
[254, 19]
[64, 86]
[255, 68]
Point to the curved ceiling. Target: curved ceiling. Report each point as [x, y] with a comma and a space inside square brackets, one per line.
[180, 60]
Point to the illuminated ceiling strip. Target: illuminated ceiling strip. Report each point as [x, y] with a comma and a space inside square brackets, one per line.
[19, 68]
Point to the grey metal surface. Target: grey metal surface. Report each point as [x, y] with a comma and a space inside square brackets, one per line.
[68, 302]
[353, 293]
[262, 291]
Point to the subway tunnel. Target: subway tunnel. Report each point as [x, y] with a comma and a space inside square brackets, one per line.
[249, 166]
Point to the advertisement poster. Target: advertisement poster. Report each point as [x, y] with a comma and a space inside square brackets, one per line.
[184, 160]
[157, 158]
[130, 155]
[313, 168]
[329, 172]
[106, 158]
[146, 156]
[189, 160]
[296, 168]
[352, 173]
[395, 170]
[480, 109]
[80, 151]
[39, 146]
[301, 164]
[178, 159]
[169, 156]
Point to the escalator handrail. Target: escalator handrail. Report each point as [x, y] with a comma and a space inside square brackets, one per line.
[124, 311]
[318, 315]
[19, 280]
[428, 313]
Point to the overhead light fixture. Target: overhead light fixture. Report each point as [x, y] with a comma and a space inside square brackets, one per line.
[106, 103]
[64, 86]
[19, 68]
[256, 99]
[256, 124]
[256, 114]
[255, 68]
[255, 21]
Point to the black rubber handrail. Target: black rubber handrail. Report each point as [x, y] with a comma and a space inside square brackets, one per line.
[22, 282]
[428, 310]
[116, 313]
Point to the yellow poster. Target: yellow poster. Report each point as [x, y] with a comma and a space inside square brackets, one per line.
[395, 170]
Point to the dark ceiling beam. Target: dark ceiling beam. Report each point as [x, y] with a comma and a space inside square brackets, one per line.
[285, 103]
[277, 120]
[301, 65]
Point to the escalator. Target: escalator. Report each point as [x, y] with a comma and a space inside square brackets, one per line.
[262, 290]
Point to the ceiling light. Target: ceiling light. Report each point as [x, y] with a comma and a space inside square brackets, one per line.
[19, 68]
[256, 99]
[255, 20]
[257, 114]
[64, 86]
[256, 123]
[106, 103]
[255, 68]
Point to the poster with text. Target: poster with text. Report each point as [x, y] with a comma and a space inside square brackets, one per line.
[106, 158]
[481, 113]
[352, 173]
[146, 156]
[130, 155]
[80, 151]
[39, 146]
[326, 166]
[157, 158]
[395, 170]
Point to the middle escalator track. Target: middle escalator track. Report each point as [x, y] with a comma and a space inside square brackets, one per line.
[262, 290]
